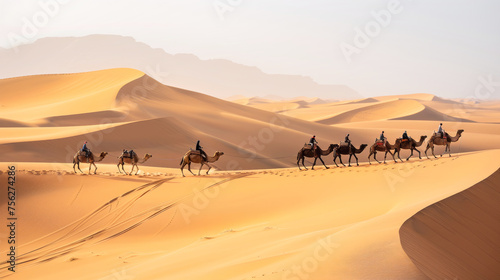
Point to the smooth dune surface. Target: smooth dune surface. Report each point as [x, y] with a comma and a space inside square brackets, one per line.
[339, 223]
[458, 237]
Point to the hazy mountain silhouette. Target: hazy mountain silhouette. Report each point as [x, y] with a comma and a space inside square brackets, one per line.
[217, 77]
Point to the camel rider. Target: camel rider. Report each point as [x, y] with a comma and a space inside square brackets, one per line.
[200, 148]
[382, 137]
[348, 142]
[85, 149]
[313, 142]
[441, 130]
[405, 136]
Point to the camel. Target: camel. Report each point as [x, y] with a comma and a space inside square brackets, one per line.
[381, 148]
[411, 144]
[440, 141]
[347, 150]
[124, 158]
[308, 152]
[80, 157]
[194, 156]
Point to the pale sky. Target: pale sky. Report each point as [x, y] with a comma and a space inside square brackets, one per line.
[448, 48]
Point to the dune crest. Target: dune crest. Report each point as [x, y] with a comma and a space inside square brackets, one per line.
[458, 237]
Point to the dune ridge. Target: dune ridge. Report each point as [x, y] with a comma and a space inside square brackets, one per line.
[458, 237]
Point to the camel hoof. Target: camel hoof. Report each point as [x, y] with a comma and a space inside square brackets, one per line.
[327, 167]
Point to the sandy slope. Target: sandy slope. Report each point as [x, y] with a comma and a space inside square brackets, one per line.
[270, 221]
[458, 237]
[124, 109]
[340, 223]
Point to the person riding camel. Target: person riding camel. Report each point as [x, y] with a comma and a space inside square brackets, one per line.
[85, 149]
[441, 131]
[382, 137]
[347, 141]
[405, 136]
[200, 148]
[313, 142]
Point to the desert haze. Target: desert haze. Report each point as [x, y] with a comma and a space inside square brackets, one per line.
[255, 215]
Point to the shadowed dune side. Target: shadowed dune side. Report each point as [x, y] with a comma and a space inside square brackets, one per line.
[379, 111]
[458, 237]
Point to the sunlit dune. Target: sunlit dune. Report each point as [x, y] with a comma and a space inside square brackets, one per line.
[255, 215]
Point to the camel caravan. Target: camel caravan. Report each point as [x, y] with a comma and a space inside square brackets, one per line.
[309, 150]
[381, 144]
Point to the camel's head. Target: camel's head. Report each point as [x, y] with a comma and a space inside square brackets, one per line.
[148, 156]
[363, 146]
[423, 137]
[460, 131]
[103, 154]
[219, 153]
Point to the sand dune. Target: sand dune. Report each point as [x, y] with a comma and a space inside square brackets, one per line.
[231, 225]
[46, 95]
[458, 237]
[256, 216]
[147, 116]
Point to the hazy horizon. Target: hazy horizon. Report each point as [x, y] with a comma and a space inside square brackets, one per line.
[378, 48]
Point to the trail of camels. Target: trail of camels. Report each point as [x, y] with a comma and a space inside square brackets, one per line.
[307, 151]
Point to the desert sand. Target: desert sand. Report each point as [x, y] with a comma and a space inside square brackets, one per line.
[255, 216]
[458, 237]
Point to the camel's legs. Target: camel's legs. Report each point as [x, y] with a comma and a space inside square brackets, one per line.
[132, 170]
[136, 169]
[303, 158]
[78, 165]
[449, 149]
[189, 168]
[340, 159]
[335, 160]
[182, 168]
[375, 156]
[95, 170]
[209, 167]
[200, 169]
[350, 156]
[314, 163]
[431, 146]
[323, 162]
[124, 169]
[389, 151]
[118, 166]
[411, 154]
[298, 162]
[398, 154]
[418, 153]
